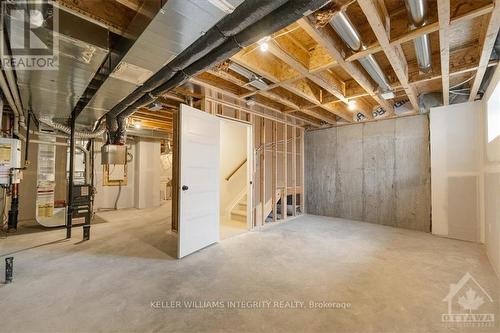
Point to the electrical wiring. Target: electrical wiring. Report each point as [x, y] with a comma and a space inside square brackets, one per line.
[459, 84]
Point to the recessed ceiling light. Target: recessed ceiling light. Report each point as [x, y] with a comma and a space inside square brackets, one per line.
[137, 124]
[351, 105]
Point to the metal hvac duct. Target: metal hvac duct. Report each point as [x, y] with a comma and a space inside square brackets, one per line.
[254, 79]
[343, 26]
[417, 12]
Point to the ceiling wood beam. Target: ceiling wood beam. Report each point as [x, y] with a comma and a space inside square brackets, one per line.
[290, 85]
[132, 4]
[331, 85]
[394, 54]
[303, 89]
[444, 45]
[487, 44]
[324, 38]
[426, 29]
[265, 93]
[242, 100]
[113, 15]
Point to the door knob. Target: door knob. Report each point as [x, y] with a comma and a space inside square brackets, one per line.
[185, 187]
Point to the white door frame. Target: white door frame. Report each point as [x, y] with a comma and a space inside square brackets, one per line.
[250, 180]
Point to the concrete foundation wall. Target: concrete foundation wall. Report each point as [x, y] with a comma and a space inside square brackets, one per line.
[376, 172]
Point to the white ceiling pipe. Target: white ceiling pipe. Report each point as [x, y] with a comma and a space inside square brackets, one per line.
[6, 92]
[9, 74]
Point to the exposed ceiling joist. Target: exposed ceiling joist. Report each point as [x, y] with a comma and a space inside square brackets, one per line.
[229, 94]
[113, 15]
[324, 38]
[487, 43]
[334, 87]
[393, 53]
[295, 86]
[444, 45]
[426, 29]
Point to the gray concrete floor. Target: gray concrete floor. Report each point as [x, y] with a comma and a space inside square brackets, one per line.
[394, 279]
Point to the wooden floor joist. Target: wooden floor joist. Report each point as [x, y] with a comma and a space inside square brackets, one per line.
[325, 40]
[394, 54]
[426, 29]
[487, 46]
[444, 45]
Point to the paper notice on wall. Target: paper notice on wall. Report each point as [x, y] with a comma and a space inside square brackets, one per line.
[5, 153]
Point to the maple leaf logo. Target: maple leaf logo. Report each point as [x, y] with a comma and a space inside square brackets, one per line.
[471, 301]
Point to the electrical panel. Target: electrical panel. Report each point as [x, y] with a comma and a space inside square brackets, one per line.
[113, 154]
[10, 158]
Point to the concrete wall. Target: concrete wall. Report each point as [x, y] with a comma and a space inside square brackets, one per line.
[376, 172]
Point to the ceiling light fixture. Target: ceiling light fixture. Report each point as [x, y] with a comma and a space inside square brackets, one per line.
[223, 5]
[264, 43]
[351, 105]
[137, 124]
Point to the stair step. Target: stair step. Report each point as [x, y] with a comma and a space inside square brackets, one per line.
[239, 215]
[239, 212]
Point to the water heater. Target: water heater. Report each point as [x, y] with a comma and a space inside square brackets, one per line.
[10, 158]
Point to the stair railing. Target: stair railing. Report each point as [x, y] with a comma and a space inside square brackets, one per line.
[236, 169]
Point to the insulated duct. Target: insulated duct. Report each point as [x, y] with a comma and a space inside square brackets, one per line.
[242, 17]
[417, 12]
[66, 129]
[254, 79]
[343, 26]
[259, 19]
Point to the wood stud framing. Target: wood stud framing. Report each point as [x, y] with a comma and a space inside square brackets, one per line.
[294, 171]
[274, 185]
[284, 197]
[444, 45]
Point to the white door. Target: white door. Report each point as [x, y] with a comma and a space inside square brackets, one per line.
[199, 167]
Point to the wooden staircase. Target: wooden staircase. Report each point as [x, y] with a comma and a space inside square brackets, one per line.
[239, 211]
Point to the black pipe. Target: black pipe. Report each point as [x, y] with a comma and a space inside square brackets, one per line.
[69, 211]
[9, 269]
[27, 144]
[276, 20]
[14, 208]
